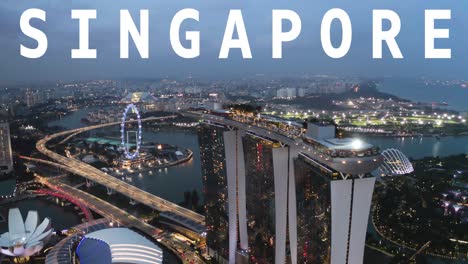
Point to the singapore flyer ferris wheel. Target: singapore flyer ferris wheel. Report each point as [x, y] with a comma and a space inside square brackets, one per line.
[125, 134]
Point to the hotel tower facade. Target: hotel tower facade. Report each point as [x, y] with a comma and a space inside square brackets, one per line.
[274, 199]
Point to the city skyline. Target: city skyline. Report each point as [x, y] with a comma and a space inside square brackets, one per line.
[221, 175]
[233, 132]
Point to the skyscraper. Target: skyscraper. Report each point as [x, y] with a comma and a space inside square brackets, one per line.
[215, 189]
[313, 206]
[6, 159]
[334, 191]
[260, 202]
[295, 200]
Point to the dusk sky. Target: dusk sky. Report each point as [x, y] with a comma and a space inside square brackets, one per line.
[304, 55]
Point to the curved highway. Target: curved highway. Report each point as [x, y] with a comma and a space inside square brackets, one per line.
[195, 221]
[58, 254]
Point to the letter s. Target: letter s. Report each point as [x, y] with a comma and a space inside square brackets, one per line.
[33, 33]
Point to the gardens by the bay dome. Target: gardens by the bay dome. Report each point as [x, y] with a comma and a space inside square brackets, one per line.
[395, 163]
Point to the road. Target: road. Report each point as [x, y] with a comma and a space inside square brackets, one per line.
[195, 221]
[121, 217]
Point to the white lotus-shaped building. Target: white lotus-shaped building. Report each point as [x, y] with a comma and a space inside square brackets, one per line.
[24, 238]
[395, 163]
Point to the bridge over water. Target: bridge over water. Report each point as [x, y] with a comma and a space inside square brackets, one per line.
[191, 220]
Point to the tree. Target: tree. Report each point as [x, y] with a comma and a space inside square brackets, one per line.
[246, 108]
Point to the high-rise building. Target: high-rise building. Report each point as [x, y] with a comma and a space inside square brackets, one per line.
[286, 93]
[33, 98]
[288, 200]
[260, 199]
[6, 159]
[301, 92]
[313, 206]
[236, 183]
[215, 190]
[333, 196]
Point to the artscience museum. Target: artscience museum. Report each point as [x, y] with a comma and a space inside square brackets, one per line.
[24, 238]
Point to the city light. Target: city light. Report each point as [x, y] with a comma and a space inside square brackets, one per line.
[241, 151]
[125, 143]
[357, 144]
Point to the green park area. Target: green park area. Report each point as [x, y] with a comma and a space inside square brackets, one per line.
[412, 124]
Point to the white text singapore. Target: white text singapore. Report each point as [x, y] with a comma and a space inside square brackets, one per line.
[135, 28]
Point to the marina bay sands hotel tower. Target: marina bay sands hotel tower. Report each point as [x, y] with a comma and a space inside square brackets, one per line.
[273, 198]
